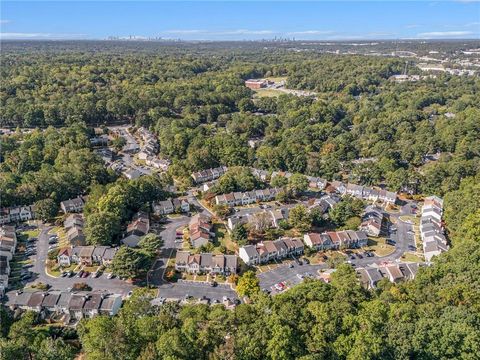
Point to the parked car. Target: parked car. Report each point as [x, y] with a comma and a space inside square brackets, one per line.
[110, 276]
[290, 265]
[80, 273]
[300, 276]
[85, 274]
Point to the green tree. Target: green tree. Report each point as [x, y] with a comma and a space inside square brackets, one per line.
[46, 209]
[129, 263]
[101, 228]
[348, 208]
[150, 244]
[300, 219]
[240, 234]
[248, 284]
[279, 181]
[297, 183]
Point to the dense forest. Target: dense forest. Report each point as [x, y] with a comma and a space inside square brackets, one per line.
[193, 97]
[195, 100]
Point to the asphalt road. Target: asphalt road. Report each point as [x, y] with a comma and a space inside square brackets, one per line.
[197, 290]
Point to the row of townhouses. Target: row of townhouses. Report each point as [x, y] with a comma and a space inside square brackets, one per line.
[86, 255]
[206, 263]
[325, 203]
[16, 214]
[371, 275]
[150, 149]
[361, 192]
[209, 174]
[136, 229]
[73, 226]
[150, 144]
[245, 198]
[75, 205]
[372, 221]
[171, 206]
[200, 230]
[431, 228]
[270, 250]
[336, 240]
[67, 306]
[272, 217]
[364, 192]
[8, 244]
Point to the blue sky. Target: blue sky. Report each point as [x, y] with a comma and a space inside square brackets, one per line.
[241, 20]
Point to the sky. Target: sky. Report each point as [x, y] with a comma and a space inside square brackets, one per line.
[241, 20]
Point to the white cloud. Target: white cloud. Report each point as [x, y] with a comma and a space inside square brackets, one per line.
[412, 26]
[40, 36]
[5, 21]
[444, 34]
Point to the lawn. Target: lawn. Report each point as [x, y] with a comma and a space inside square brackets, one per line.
[413, 219]
[32, 233]
[276, 78]
[412, 257]
[379, 246]
[222, 237]
[267, 93]
[62, 236]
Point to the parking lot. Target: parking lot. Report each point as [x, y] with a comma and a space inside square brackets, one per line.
[288, 275]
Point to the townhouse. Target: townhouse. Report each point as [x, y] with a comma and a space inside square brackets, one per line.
[200, 230]
[170, 206]
[73, 225]
[431, 228]
[67, 306]
[325, 203]
[369, 276]
[274, 217]
[245, 198]
[361, 192]
[16, 214]
[8, 244]
[271, 250]
[86, 255]
[336, 240]
[73, 205]
[206, 263]
[138, 227]
[209, 174]
[372, 221]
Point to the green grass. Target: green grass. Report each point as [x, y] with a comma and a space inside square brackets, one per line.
[222, 237]
[379, 246]
[276, 78]
[412, 257]
[32, 233]
[267, 93]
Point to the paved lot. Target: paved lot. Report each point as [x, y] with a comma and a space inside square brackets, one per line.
[284, 273]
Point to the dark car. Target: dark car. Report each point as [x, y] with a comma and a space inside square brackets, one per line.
[306, 261]
[213, 284]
